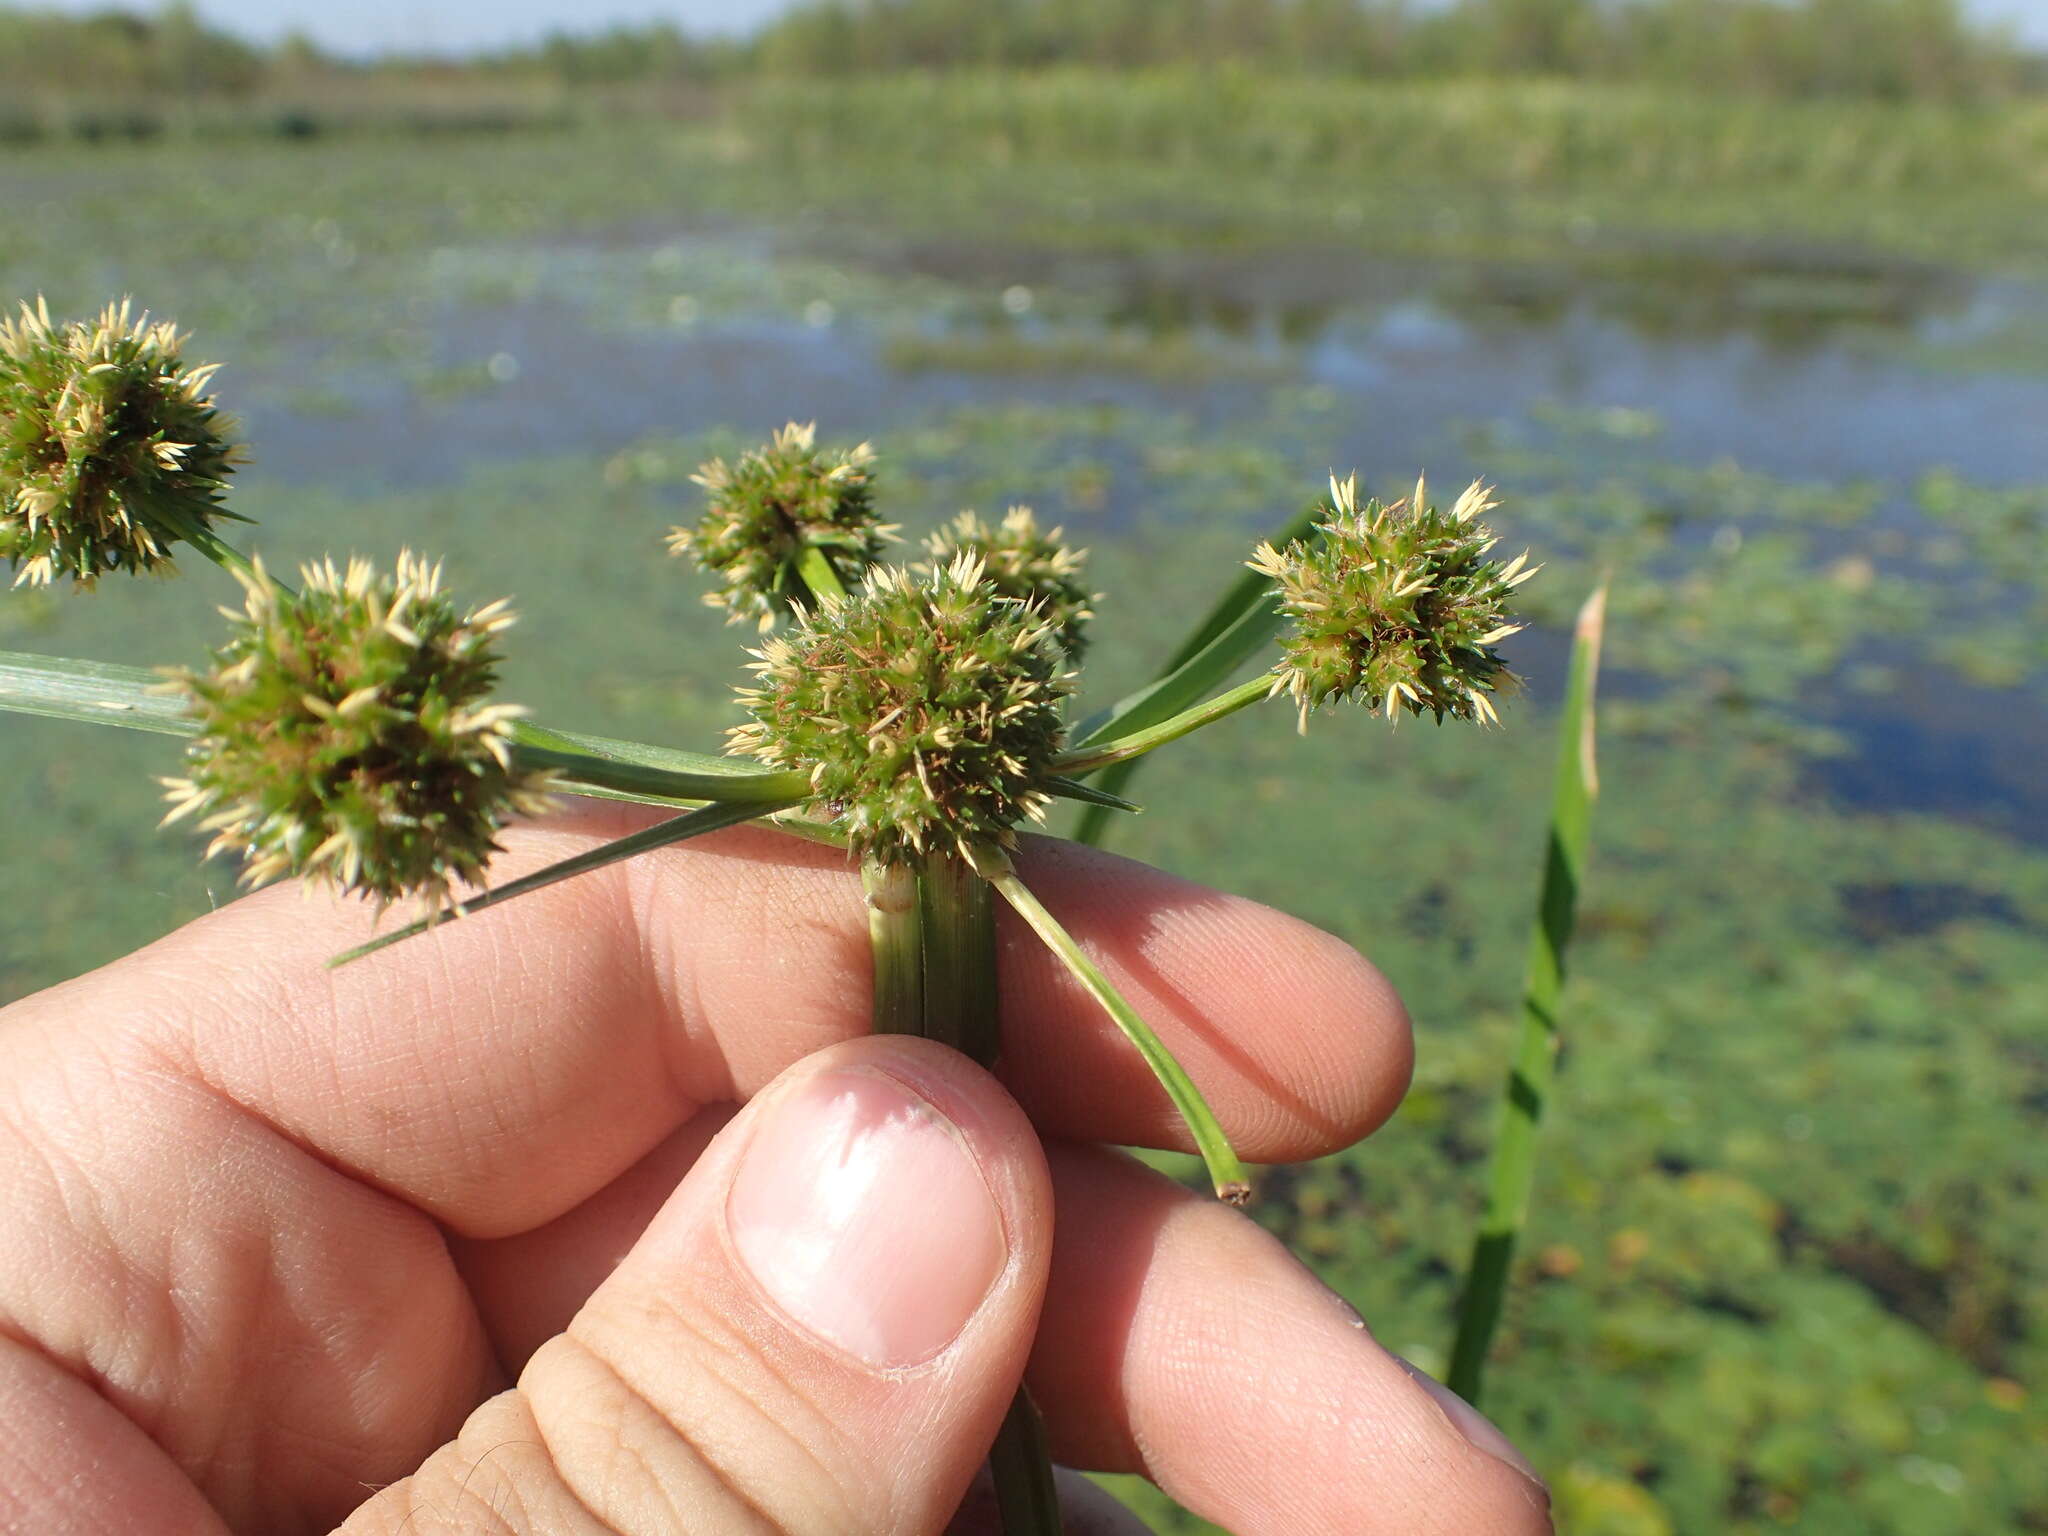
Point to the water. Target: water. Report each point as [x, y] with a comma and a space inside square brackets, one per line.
[1806, 365]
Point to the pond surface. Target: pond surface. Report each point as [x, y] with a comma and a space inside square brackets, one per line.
[1813, 367]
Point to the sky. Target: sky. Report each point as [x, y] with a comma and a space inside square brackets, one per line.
[372, 26]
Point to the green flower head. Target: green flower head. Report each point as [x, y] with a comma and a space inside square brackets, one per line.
[764, 511]
[111, 449]
[1396, 606]
[347, 735]
[1021, 561]
[927, 711]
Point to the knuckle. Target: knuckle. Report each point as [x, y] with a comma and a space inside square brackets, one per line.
[733, 1445]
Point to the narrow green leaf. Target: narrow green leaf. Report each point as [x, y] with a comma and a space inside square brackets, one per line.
[665, 784]
[694, 824]
[1117, 751]
[530, 733]
[1243, 622]
[98, 692]
[104, 693]
[1527, 1093]
[1089, 794]
[1225, 1172]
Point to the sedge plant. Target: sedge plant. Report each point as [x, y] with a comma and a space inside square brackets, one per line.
[913, 712]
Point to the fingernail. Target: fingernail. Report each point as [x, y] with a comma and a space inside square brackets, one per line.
[858, 1208]
[1475, 1426]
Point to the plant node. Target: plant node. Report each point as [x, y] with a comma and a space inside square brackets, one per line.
[767, 509]
[1397, 606]
[927, 712]
[347, 735]
[111, 448]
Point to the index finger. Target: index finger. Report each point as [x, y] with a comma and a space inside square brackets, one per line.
[502, 1070]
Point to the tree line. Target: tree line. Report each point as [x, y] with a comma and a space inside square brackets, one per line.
[1923, 49]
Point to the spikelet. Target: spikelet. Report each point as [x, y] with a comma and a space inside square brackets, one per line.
[347, 735]
[1024, 562]
[111, 448]
[1396, 606]
[764, 511]
[927, 711]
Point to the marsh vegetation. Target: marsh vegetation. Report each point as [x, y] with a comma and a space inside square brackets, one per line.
[1780, 366]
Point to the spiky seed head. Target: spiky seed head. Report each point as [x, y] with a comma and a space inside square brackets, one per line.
[1024, 562]
[1397, 606]
[926, 710]
[346, 734]
[762, 512]
[111, 447]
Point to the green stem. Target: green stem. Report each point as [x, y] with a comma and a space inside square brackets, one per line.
[209, 544]
[1020, 1465]
[896, 935]
[959, 920]
[1512, 1174]
[1225, 1172]
[934, 938]
[1123, 749]
[816, 572]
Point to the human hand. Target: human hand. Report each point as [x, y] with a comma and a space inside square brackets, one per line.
[470, 1237]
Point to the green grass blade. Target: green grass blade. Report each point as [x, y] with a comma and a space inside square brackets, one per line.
[530, 733]
[1118, 751]
[1513, 1169]
[1225, 1172]
[665, 784]
[1241, 624]
[711, 818]
[97, 692]
[1091, 794]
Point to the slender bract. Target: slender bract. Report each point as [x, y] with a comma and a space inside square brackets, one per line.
[710, 818]
[1527, 1095]
[1225, 1171]
[106, 693]
[1239, 627]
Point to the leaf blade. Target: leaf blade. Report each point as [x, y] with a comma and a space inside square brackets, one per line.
[710, 818]
[96, 692]
[1526, 1094]
[1233, 631]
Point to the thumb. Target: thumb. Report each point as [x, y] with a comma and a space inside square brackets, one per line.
[819, 1332]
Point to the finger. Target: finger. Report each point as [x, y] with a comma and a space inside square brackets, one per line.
[219, 1153]
[71, 1465]
[527, 1286]
[819, 1332]
[503, 1070]
[1181, 1341]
